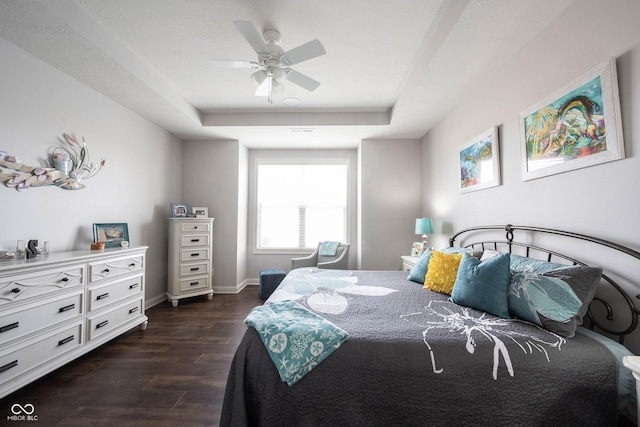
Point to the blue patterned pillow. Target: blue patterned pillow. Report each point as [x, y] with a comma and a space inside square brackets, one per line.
[483, 285]
[532, 265]
[556, 300]
[419, 271]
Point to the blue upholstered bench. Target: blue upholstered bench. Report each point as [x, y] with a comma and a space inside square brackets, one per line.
[269, 281]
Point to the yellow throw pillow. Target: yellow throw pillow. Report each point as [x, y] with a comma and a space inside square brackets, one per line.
[442, 272]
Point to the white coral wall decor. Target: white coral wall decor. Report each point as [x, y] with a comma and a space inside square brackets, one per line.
[66, 166]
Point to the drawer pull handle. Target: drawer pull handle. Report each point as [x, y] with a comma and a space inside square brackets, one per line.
[195, 227]
[102, 324]
[135, 285]
[133, 264]
[196, 254]
[195, 268]
[66, 340]
[67, 308]
[9, 327]
[8, 366]
[103, 296]
[64, 279]
[195, 240]
[194, 283]
[133, 310]
[15, 290]
[106, 270]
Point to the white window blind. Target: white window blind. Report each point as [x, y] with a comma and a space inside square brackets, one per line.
[301, 203]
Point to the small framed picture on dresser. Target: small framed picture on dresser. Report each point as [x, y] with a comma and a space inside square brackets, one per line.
[112, 234]
[200, 212]
[178, 210]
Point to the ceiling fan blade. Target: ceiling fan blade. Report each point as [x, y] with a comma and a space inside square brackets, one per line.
[304, 52]
[234, 64]
[303, 81]
[251, 34]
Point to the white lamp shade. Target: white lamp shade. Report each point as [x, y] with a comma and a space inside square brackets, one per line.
[424, 226]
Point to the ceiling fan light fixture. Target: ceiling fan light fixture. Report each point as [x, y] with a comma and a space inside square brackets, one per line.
[276, 86]
[258, 77]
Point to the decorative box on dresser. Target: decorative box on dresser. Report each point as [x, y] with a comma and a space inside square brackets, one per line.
[54, 309]
[190, 258]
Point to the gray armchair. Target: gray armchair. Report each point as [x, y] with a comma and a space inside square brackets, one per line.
[339, 261]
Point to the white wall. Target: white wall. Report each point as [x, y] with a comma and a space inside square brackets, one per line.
[601, 200]
[389, 201]
[38, 104]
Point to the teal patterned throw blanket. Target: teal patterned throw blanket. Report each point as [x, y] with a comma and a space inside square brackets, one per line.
[297, 339]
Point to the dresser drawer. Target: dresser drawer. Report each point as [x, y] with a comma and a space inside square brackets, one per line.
[37, 352]
[194, 254]
[35, 317]
[115, 267]
[195, 284]
[101, 296]
[192, 227]
[110, 319]
[23, 286]
[194, 268]
[194, 240]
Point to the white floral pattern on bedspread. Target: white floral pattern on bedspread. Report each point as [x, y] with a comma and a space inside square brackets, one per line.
[324, 291]
[476, 325]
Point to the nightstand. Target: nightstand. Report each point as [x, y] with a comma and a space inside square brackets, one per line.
[408, 262]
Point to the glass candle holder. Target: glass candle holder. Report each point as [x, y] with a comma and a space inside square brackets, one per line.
[21, 249]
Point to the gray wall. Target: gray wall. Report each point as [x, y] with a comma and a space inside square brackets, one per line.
[389, 201]
[213, 172]
[136, 186]
[601, 200]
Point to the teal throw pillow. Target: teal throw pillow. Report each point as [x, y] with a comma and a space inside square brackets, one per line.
[419, 271]
[483, 285]
[555, 300]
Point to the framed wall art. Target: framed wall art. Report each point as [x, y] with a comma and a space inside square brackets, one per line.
[178, 210]
[480, 162]
[112, 234]
[577, 126]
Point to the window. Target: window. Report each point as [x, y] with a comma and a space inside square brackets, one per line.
[301, 202]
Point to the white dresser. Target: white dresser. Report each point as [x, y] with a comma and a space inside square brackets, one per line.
[54, 309]
[190, 258]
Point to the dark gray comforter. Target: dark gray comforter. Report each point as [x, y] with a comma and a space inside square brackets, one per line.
[414, 359]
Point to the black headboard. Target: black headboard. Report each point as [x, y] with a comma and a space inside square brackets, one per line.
[510, 242]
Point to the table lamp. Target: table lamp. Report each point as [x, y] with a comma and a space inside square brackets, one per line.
[424, 226]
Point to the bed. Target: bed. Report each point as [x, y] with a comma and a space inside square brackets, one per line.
[398, 352]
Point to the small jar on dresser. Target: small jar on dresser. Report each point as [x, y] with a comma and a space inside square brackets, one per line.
[190, 270]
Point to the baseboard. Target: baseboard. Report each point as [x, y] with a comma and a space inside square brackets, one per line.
[155, 300]
[235, 289]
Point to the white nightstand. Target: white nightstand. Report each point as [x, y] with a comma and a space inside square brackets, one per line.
[408, 262]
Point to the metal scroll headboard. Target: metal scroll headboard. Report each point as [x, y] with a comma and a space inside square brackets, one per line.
[510, 244]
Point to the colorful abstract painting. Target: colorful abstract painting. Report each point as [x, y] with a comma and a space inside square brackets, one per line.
[575, 127]
[479, 167]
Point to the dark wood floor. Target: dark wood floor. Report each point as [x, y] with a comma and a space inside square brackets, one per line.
[172, 374]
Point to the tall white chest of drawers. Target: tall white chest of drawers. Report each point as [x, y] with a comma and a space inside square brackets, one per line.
[190, 268]
[55, 309]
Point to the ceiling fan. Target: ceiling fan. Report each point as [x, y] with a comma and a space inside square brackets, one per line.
[273, 62]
